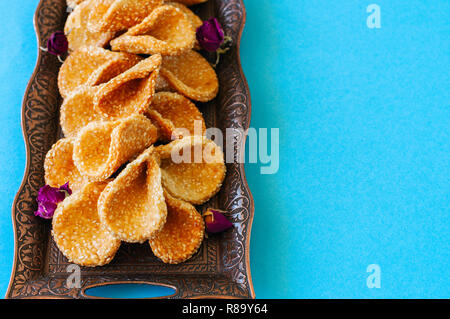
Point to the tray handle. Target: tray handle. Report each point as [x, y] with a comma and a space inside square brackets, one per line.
[85, 294]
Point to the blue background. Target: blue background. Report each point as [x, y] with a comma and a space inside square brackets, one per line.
[364, 144]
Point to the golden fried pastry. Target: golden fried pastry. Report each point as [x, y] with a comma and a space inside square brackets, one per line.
[77, 31]
[78, 232]
[133, 206]
[182, 113]
[102, 147]
[118, 15]
[162, 85]
[191, 75]
[59, 166]
[165, 126]
[129, 92]
[195, 19]
[116, 105]
[92, 66]
[74, 3]
[182, 235]
[192, 168]
[167, 30]
[77, 110]
[196, 22]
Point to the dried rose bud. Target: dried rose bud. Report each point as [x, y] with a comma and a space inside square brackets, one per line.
[216, 222]
[57, 44]
[210, 35]
[48, 199]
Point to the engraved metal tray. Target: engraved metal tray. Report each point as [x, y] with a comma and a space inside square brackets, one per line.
[221, 268]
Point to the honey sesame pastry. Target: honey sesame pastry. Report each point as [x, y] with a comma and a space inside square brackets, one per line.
[129, 92]
[182, 235]
[196, 22]
[166, 128]
[192, 168]
[181, 112]
[78, 232]
[162, 85]
[167, 30]
[77, 110]
[133, 206]
[77, 31]
[59, 167]
[92, 66]
[118, 15]
[191, 75]
[195, 19]
[102, 147]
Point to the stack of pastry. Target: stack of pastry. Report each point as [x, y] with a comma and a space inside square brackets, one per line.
[129, 85]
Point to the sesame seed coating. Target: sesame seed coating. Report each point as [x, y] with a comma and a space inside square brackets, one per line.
[180, 111]
[133, 205]
[77, 31]
[182, 235]
[129, 92]
[122, 96]
[195, 20]
[77, 110]
[191, 75]
[194, 181]
[167, 30]
[118, 15]
[116, 105]
[165, 126]
[162, 85]
[59, 166]
[78, 232]
[92, 66]
[102, 147]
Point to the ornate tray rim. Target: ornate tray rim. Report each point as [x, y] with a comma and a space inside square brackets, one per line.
[26, 175]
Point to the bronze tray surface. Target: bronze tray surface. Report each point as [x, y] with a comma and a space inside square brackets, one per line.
[221, 268]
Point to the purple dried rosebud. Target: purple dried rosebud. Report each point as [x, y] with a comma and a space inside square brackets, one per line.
[57, 44]
[48, 199]
[216, 222]
[45, 210]
[210, 35]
